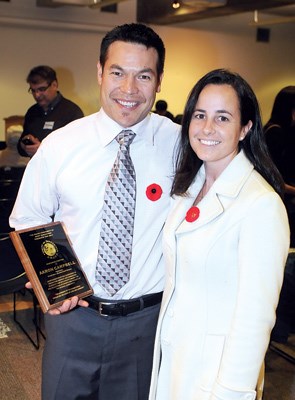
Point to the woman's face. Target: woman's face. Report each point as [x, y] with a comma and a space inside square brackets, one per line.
[215, 128]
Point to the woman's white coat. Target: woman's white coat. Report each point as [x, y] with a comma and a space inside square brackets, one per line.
[224, 274]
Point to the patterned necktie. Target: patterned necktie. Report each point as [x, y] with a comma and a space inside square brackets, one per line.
[115, 243]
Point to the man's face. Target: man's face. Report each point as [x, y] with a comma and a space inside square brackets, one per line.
[44, 93]
[129, 82]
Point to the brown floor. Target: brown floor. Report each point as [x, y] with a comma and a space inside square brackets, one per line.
[279, 378]
[6, 303]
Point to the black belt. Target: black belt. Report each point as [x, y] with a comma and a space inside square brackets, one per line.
[124, 307]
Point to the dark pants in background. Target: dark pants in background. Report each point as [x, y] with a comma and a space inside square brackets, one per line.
[285, 322]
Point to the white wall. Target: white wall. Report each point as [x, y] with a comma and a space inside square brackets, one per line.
[191, 53]
[30, 36]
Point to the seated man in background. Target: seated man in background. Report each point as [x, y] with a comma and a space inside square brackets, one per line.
[162, 109]
[51, 111]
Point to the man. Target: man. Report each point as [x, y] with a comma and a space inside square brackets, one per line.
[105, 351]
[51, 111]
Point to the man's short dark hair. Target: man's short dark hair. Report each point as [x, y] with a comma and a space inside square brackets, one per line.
[134, 33]
[41, 73]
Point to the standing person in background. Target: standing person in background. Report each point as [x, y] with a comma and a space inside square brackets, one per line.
[226, 241]
[105, 351]
[280, 138]
[161, 108]
[51, 111]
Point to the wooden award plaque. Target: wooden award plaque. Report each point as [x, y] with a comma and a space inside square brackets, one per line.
[51, 264]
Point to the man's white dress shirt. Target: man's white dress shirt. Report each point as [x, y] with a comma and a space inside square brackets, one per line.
[66, 179]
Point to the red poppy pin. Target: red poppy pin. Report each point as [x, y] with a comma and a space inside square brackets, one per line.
[154, 192]
[192, 214]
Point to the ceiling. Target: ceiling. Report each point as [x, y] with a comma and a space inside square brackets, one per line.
[191, 12]
[161, 11]
[85, 3]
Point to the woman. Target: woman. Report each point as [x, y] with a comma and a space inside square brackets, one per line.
[280, 139]
[226, 241]
[280, 132]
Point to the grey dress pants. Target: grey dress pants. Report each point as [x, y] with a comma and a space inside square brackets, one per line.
[88, 356]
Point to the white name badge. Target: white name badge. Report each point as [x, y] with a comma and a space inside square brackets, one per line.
[48, 125]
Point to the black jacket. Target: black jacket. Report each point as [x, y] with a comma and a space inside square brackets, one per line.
[40, 123]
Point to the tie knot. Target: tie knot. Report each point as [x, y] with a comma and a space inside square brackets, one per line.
[125, 137]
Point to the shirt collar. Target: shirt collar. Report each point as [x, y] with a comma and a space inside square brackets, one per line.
[108, 129]
[54, 102]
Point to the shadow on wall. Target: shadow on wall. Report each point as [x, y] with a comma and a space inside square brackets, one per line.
[66, 84]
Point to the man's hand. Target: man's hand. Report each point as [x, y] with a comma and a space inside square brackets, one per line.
[66, 306]
[30, 149]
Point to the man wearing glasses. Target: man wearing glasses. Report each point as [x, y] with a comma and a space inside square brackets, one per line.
[51, 111]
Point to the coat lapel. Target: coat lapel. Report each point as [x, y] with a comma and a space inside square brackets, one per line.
[210, 207]
[224, 190]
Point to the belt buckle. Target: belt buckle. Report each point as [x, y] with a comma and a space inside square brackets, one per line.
[101, 304]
